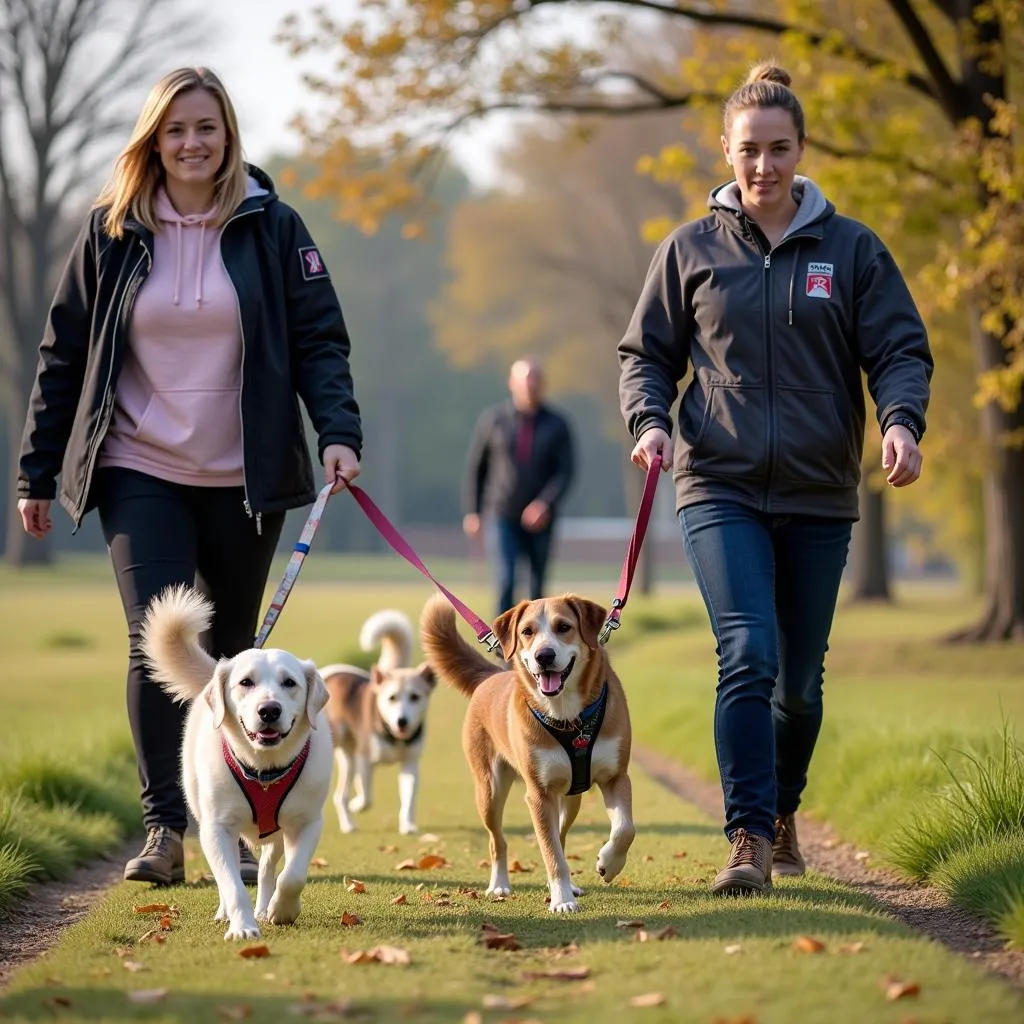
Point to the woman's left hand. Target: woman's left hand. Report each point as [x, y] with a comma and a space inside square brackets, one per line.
[900, 456]
[341, 465]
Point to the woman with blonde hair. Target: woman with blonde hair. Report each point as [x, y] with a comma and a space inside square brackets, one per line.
[777, 304]
[193, 310]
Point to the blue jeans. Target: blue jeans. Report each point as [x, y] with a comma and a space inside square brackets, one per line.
[770, 584]
[515, 542]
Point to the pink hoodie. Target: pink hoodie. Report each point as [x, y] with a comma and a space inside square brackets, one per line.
[177, 413]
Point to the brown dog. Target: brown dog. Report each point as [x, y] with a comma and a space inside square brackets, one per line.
[558, 720]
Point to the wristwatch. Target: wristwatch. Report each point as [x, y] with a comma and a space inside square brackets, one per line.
[899, 420]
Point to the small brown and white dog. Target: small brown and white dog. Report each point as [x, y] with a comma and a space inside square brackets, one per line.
[256, 757]
[379, 717]
[558, 720]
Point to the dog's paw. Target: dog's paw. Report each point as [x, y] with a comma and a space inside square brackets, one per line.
[564, 907]
[499, 890]
[407, 828]
[358, 803]
[240, 930]
[284, 908]
[610, 861]
[577, 891]
[346, 825]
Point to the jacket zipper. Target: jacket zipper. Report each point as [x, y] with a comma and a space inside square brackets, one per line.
[770, 373]
[241, 383]
[107, 402]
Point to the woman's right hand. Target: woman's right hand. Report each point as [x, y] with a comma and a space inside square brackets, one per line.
[35, 516]
[653, 442]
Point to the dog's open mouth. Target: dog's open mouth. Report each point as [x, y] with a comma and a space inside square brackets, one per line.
[268, 736]
[551, 683]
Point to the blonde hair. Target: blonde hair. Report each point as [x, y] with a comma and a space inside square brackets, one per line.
[138, 172]
[767, 85]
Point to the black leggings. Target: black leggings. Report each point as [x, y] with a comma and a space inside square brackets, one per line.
[158, 534]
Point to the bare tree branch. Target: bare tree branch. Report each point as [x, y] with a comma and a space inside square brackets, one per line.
[949, 93]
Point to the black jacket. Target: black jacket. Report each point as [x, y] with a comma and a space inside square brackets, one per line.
[294, 343]
[773, 416]
[496, 482]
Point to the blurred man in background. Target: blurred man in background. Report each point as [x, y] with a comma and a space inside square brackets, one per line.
[519, 468]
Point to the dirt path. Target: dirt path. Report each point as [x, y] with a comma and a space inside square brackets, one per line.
[923, 907]
[36, 922]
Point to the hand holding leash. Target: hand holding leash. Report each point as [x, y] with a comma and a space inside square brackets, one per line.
[341, 466]
[653, 443]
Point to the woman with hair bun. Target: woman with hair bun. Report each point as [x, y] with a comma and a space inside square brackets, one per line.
[777, 303]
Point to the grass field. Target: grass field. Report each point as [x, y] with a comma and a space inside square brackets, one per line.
[893, 696]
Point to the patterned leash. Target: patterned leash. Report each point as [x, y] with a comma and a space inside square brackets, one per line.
[636, 542]
[398, 543]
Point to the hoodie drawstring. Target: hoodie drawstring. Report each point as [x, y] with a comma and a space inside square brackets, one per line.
[792, 278]
[177, 268]
[201, 260]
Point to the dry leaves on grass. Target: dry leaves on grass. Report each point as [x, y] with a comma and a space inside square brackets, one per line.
[350, 920]
[147, 996]
[734, 949]
[648, 999]
[663, 905]
[354, 885]
[896, 988]
[491, 1002]
[431, 860]
[255, 952]
[852, 947]
[629, 924]
[153, 935]
[400, 900]
[318, 862]
[133, 965]
[491, 937]
[557, 974]
[516, 868]
[807, 944]
[668, 932]
[379, 954]
[165, 909]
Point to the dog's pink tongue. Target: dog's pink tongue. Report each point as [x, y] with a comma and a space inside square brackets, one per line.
[550, 682]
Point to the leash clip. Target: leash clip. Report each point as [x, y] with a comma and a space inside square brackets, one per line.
[611, 624]
[490, 641]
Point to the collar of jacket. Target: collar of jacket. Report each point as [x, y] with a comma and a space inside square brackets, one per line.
[809, 222]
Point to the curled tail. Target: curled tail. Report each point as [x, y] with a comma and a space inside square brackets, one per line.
[174, 622]
[451, 657]
[390, 630]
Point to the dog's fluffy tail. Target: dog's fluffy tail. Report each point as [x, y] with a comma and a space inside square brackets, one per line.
[391, 631]
[174, 622]
[452, 658]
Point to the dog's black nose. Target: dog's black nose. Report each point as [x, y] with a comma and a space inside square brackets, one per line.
[545, 657]
[269, 711]
[402, 722]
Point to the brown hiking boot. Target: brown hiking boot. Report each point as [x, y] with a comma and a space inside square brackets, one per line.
[786, 856]
[247, 862]
[162, 859]
[749, 868]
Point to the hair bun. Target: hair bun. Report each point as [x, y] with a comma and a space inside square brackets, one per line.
[768, 72]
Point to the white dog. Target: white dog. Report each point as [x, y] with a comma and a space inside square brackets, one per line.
[256, 758]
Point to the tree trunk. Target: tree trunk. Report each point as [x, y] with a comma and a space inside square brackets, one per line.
[869, 570]
[20, 549]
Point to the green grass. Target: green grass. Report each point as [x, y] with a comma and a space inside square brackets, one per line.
[893, 700]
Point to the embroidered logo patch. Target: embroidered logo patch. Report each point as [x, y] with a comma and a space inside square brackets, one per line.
[819, 280]
[312, 265]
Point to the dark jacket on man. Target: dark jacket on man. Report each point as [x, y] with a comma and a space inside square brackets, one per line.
[495, 482]
[293, 336]
[773, 416]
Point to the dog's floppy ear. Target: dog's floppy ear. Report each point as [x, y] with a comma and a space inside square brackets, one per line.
[506, 629]
[591, 618]
[427, 674]
[316, 692]
[215, 692]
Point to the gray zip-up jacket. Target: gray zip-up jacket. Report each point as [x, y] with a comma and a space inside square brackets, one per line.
[773, 416]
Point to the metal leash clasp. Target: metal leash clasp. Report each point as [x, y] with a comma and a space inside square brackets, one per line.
[611, 624]
[490, 641]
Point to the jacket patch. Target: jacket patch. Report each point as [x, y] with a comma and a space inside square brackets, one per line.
[819, 280]
[312, 263]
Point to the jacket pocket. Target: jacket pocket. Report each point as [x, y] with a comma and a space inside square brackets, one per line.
[731, 438]
[814, 446]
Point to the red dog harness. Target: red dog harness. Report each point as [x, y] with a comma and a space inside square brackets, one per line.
[265, 791]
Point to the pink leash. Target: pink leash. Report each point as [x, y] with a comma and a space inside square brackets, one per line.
[636, 542]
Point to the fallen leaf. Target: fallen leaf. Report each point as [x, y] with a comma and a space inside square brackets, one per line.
[629, 924]
[157, 908]
[895, 988]
[663, 905]
[668, 932]
[399, 900]
[506, 1002]
[515, 868]
[648, 858]
[562, 974]
[734, 948]
[318, 862]
[389, 849]
[379, 954]
[360, 956]
[431, 860]
[153, 935]
[429, 837]
[483, 862]
[573, 856]
[421, 886]
[470, 894]
[356, 886]
[648, 999]
[679, 856]
[406, 865]
[133, 965]
[254, 952]
[473, 1017]
[861, 855]
[493, 938]
[147, 996]
[239, 1012]
[165, 923]
[348, 920]
[807, 944]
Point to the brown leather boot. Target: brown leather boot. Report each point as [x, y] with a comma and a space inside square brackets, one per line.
[247, 862]
[749, 868]
[786, 857]
[162, 859]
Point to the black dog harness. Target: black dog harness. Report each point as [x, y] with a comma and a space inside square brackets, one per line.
[577, 738]
[265, 791]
